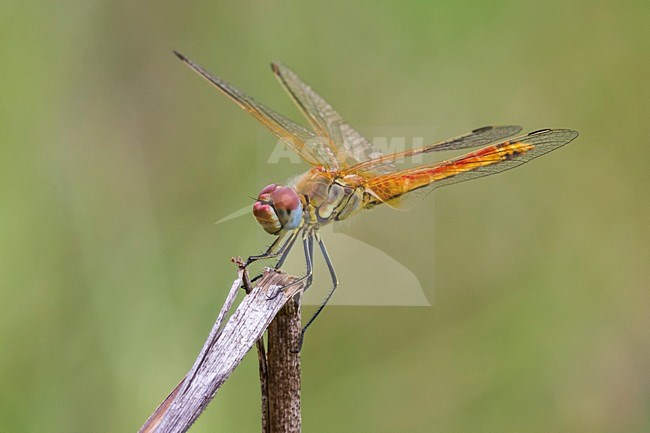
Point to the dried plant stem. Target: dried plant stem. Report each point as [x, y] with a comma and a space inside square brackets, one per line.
[226, 347]
[284, 369]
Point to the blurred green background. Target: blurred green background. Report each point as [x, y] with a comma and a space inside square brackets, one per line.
[116, 161]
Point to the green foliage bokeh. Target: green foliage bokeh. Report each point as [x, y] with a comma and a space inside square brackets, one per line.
[116, 161]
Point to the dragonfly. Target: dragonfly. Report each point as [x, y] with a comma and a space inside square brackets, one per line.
[348, 174]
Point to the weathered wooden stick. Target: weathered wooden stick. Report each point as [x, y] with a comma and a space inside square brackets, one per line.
[223, 351]
[284, 369]
[264, 384]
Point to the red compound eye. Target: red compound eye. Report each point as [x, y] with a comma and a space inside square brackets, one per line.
[285, 198]
[267, 189]
[278, 208]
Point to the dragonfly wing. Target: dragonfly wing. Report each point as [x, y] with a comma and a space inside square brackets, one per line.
[477, 137]
[300, 139]
[349, 146]
[417, 182]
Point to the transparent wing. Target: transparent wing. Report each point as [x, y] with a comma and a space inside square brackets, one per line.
[301, 140]
[349, 146]
[477, 137]
[417, 182]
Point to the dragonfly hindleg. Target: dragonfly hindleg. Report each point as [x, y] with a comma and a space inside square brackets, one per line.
[335, 283]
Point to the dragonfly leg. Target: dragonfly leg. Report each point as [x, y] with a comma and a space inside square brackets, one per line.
[309, 260]
[287, 248]
[283, 251]
[335, 283]
[257, 277]
[308, 246]
[270, 251]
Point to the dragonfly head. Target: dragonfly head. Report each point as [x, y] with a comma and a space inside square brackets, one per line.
[278, 208]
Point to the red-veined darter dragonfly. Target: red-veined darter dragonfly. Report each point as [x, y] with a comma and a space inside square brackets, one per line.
[348, 174]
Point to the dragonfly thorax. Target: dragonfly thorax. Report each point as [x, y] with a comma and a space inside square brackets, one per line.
[278, 208]
[327, 197]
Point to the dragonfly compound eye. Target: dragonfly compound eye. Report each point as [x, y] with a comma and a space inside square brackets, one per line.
[278, 208]
[288, 207]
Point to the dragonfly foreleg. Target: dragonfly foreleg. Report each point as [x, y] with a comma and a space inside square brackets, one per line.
[287, 249]
[308, 247]
[271, 250]
[283, 251]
